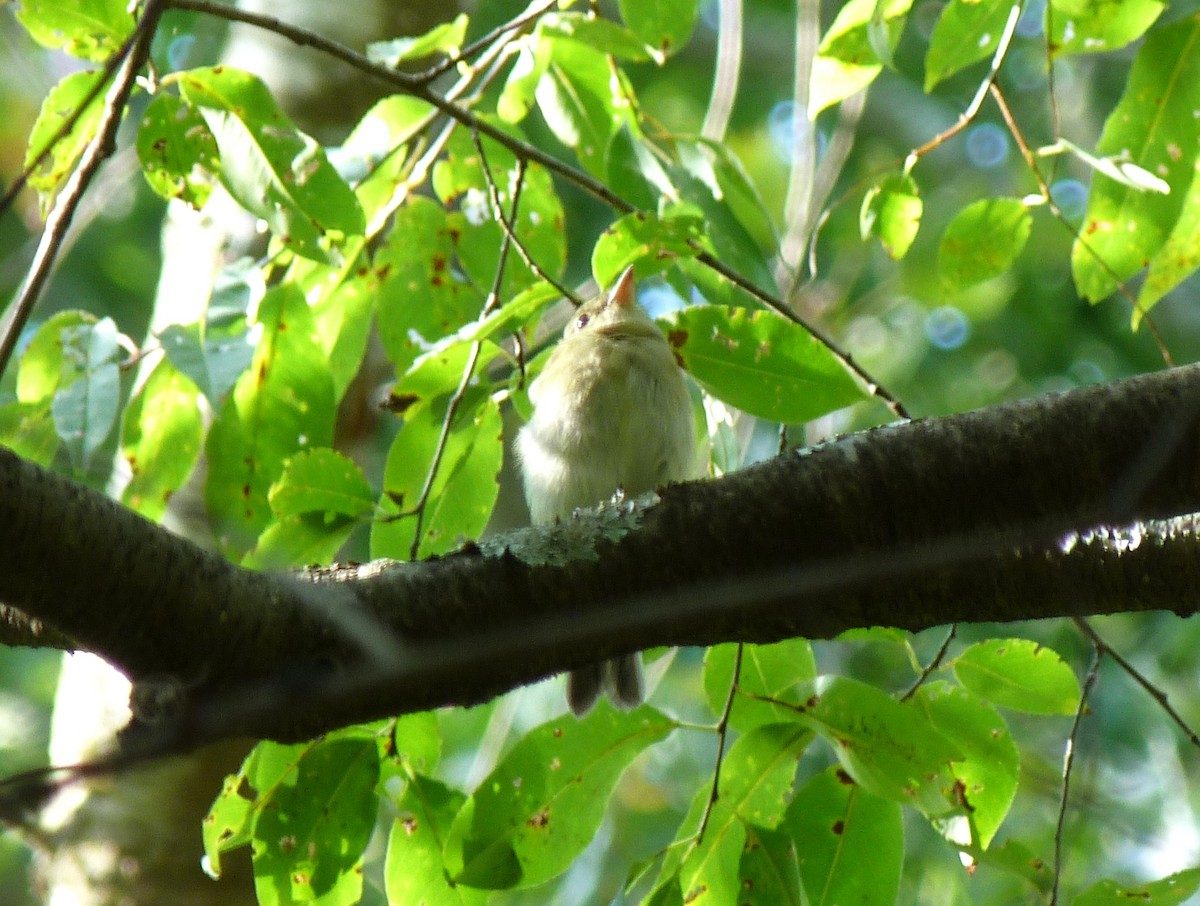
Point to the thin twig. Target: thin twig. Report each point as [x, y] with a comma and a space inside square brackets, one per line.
[589, 184]
[110, 66]
[1140, 678]
[509, 226]
[722, 734]
[799, 199]
[97, 150]
[533, 11]
[1068, 765]
[972, 109]
[491, 303]
[1044, 188]
[933, 664]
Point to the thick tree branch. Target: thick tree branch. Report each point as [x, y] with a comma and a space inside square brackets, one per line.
[963, 518]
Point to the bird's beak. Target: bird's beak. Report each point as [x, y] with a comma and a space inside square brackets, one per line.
[624, 292]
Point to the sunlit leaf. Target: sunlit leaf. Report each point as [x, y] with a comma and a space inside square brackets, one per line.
[663, 25]
[990, 765]
[281, 405]
[90, 29]
[413, 870]
[463, 490]
[63, 101]
[273, 169]
[843, 827]
[768, 671]
[1154, 128]
[761, 363]
[1169, 891]
[1086, 26]
[178, 152]
[966, 32]
[982, 241]
[846, 63]
[543, 803]
[891, 210]
[1179, 256]
[887, 747]
[161, 439]
[644, 239]
[446, 38]
[758, 770]
[1019, 674]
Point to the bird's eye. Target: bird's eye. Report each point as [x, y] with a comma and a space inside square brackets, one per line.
[582, 320]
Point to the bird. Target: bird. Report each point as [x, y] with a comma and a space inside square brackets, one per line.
[611, 413]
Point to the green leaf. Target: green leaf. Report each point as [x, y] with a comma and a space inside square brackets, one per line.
[603, 34]
[161, 439]
[583, 103]
[420, 300]
[414, 746]
[60, 104]
[644, 239]
[1169, 891]
[846, 63]
[891, 210]
[768, 671]
[178, 152]
[1179, 256]
[761, 363]
[758, 771]
[982, 241]
[212, 357]
[413, 870]
[843, 828]
[45, 365]
[990, 766]
[887, 747]
[634, 172]
[769, 873]
[445, 38]
[516, 100]
[309, 841]
[376, 148]
[460, 180]
[664, 26]
[317, 502]
[89, 29]
[966, 31]
[271, 168]
[342, 302]
[707, 870]
[543, 803]
[1152, 127]
[281, 405]
[1088, 26]
[1019, 674]
[86, 408]
[28, 430]
[463, 491]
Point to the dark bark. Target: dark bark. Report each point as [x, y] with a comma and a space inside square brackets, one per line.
[963, 518]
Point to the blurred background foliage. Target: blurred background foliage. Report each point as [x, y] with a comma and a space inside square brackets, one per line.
[1026, 332]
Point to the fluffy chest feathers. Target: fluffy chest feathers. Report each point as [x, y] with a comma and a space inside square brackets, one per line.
[611, 410]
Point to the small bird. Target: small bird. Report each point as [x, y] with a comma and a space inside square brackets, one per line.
[611, 412]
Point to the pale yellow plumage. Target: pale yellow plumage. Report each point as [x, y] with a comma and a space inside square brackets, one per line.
[611, 411]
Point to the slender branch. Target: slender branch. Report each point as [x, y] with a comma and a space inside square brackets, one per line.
[98, 149]
[594, 187]
[1140, 678]
[1068, 765]
[491, 303]
[722, 734]
[933, 664]
[726, 72]
[532, 12]
[1044, 189]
